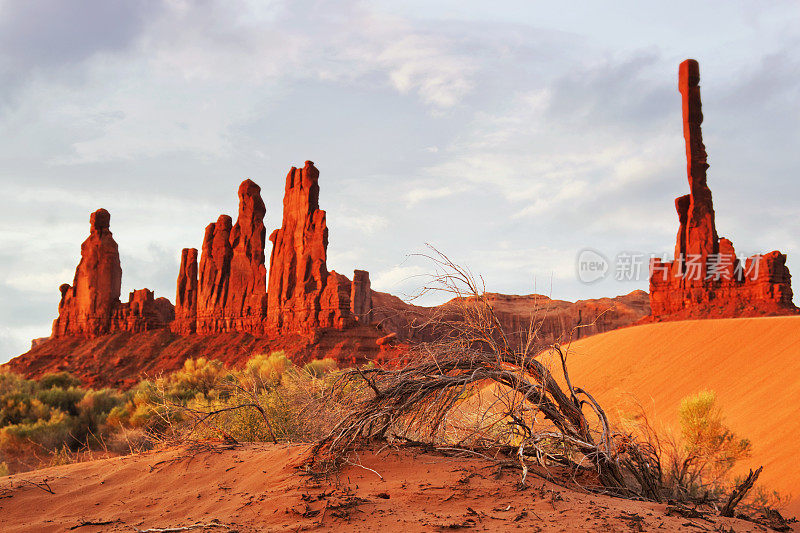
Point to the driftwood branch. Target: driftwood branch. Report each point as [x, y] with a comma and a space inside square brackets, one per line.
[740, 492]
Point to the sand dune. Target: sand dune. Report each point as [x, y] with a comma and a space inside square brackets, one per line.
[258, 488]
[753, 364]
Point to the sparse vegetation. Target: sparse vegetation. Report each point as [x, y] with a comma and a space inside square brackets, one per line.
[54, 420]
[41, 418]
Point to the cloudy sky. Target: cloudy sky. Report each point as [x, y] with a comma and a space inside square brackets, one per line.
[511, 135]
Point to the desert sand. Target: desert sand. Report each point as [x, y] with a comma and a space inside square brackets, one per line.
[260, 488]
[751, 363]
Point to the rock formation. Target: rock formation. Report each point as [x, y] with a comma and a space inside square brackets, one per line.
[86, 306]
[186, 295]
[91, 306]
[302, 295]
[706, 279]
[247, 293]
[232, 282]
[142, 312]
[361, 297]
[215, 268]
[554, 320]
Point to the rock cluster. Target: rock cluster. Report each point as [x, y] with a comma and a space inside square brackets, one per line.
[706, 279]
[91, 305]
[227, 290]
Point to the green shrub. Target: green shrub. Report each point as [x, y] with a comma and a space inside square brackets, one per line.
[65, 400]
[320, 367]
[63, 380]
[198, 376]
[265, 371]
[48, 435]
[708, 442]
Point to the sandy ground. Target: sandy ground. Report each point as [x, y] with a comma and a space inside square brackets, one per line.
[753, 365]
[258, 488]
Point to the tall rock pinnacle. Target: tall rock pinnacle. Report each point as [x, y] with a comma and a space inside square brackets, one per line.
[302, 295]
[86, 306]
[706, 279]
[90, 306]
[698, 232]
[186, 294]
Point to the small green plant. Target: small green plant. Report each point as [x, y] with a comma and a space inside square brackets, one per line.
[712, 449]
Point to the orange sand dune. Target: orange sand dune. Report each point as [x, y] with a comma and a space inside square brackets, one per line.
[753, 364]
[258, 488]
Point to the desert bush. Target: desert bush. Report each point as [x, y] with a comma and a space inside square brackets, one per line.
[198, 376]
[51, 417]
[4, 471]
[65, 400]
[699, 462]
[320, 367]
[265, 371]
[696, 462]
[48, 435]
[63, 380]
[713, 448]
[535, 418]
[270, 399]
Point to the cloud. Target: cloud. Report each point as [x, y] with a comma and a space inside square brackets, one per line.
[53, 35]
[367, 223]
[399, 275]
[415, 196]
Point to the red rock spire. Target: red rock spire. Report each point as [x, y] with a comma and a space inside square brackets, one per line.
[247, 294]
[87, 305]
[186, 294]
[302, 294]
[233, 278]
[697, 237]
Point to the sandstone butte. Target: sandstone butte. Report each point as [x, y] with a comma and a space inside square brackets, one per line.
[225, 307]
[228, 292]
[706, 279]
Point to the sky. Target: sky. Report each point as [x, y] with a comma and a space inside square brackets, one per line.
[509, 135]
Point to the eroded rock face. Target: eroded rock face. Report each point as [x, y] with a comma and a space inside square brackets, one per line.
[706, 279]
[302, 295]
[215, 268]
[232, 292]
[247, 298]
[186, 294]
[90, 306]
[142, 312]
